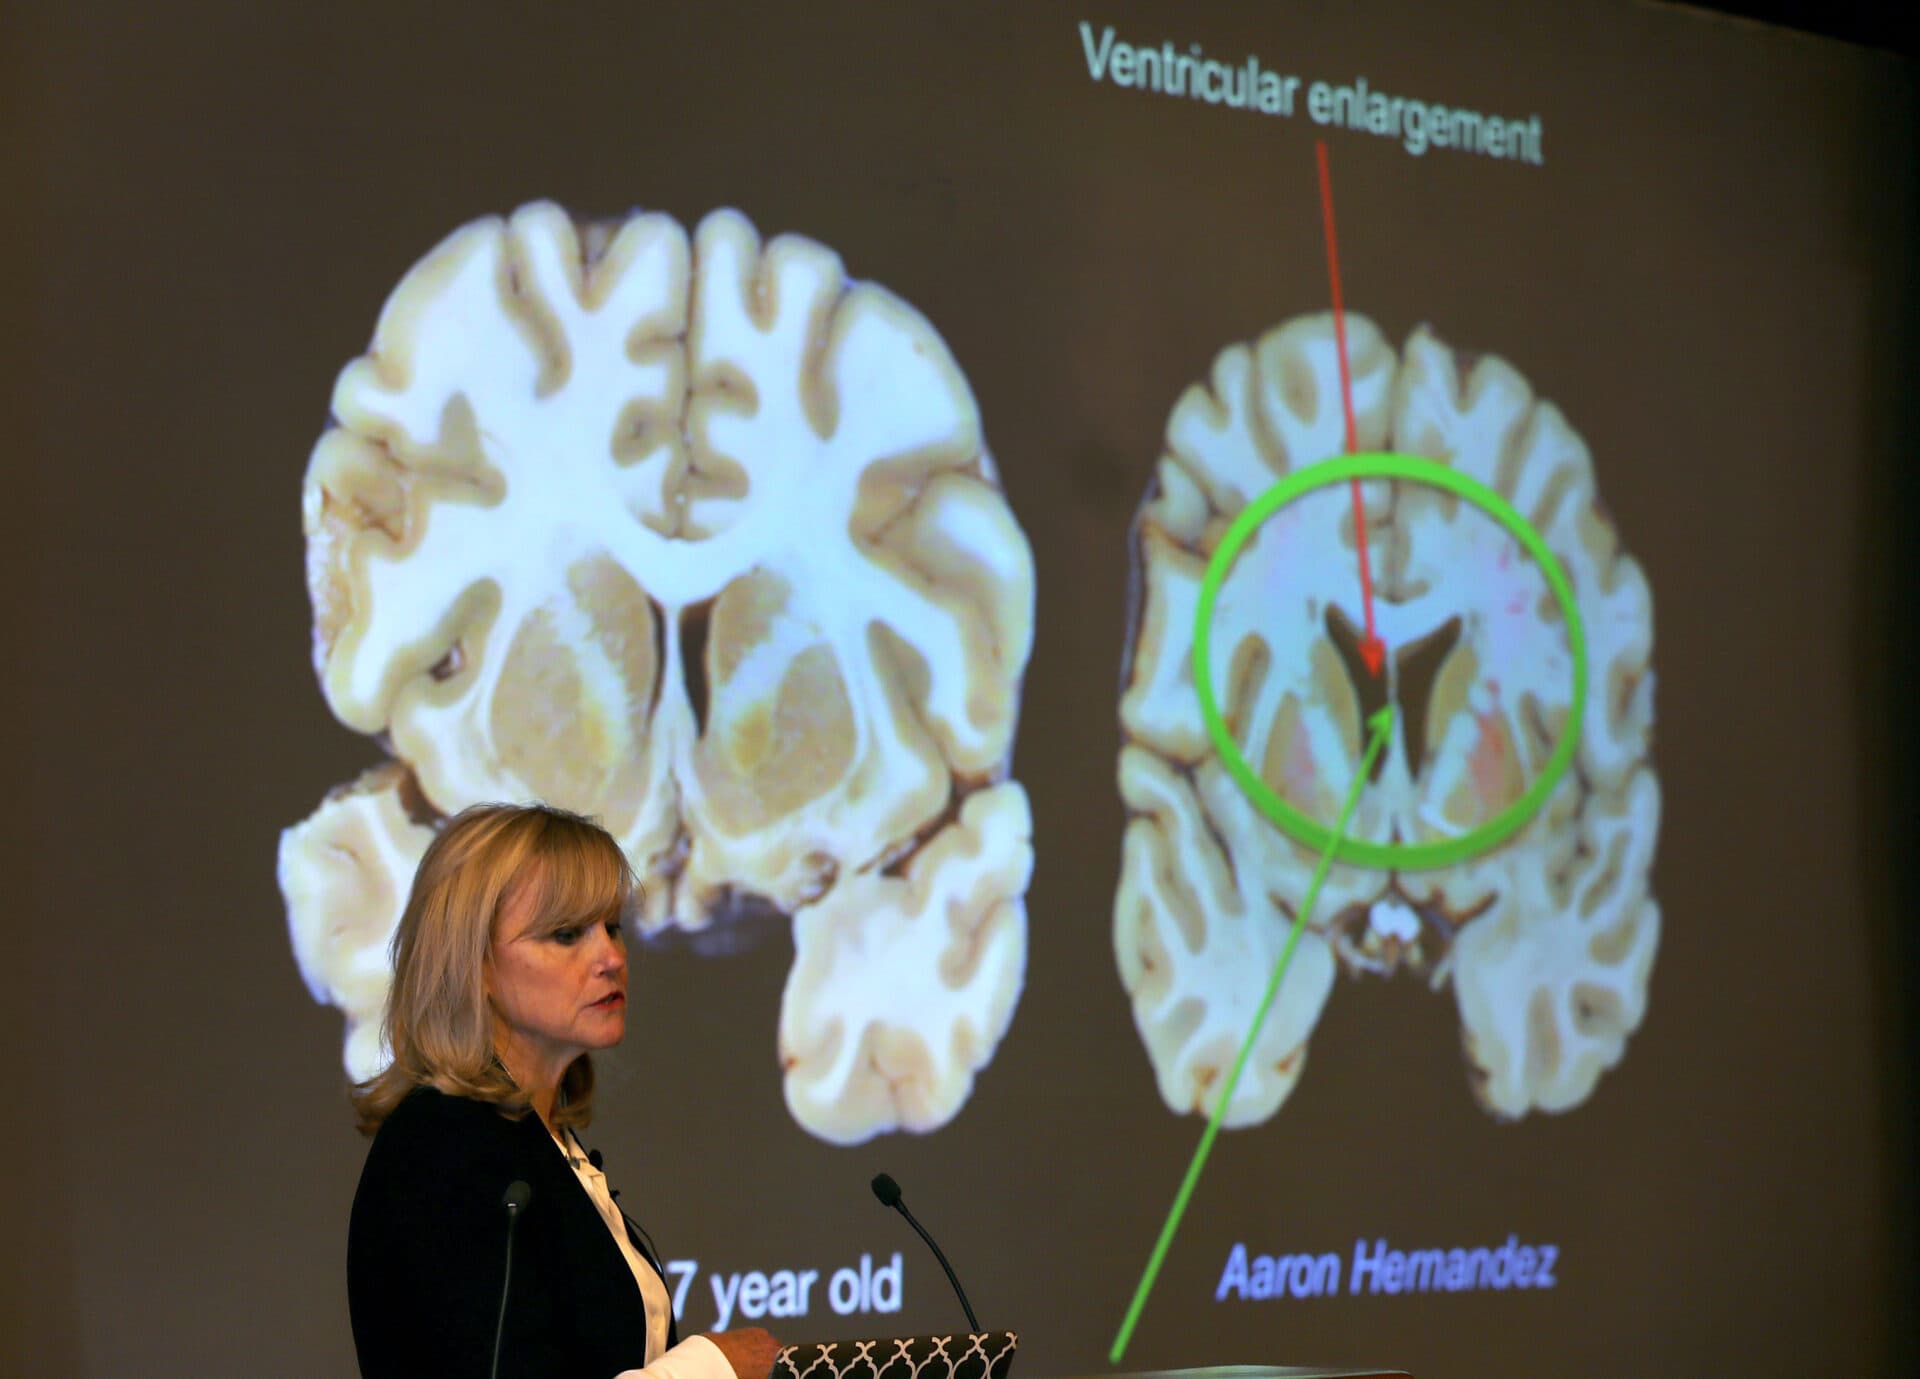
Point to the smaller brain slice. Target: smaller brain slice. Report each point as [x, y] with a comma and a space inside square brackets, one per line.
[698, 537]
[1548, 940]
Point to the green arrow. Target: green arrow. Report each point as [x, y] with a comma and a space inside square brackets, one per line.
[1381, 728]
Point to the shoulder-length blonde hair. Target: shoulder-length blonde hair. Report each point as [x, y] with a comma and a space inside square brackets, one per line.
[439, 1021]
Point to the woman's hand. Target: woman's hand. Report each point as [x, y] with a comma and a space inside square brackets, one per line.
[749, 1349]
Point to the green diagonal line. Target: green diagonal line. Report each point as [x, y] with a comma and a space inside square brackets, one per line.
[1381, 728]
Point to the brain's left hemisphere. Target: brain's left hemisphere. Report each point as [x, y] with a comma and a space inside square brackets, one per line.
[697, 537]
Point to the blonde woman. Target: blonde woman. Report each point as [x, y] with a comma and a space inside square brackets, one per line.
[509, 968]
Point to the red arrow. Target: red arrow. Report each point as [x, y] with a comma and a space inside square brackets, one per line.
[1372, 650]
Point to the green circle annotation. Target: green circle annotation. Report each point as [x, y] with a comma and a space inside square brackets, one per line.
[1295, 823]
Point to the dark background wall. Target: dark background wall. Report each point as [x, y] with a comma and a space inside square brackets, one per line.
[1713, 276]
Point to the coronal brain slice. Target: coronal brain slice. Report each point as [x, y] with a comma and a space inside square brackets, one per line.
[1547, 939]
[694, 535]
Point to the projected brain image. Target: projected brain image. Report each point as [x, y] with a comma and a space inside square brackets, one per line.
[1546, 937]
[697, 536]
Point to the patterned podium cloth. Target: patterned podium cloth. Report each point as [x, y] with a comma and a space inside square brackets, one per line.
[985, 1355]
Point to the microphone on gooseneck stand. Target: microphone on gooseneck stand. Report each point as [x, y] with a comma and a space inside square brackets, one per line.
[514, 1200]
[888, 1192]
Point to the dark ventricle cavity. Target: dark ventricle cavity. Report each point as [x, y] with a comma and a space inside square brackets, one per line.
[1369, 688]
[694, 622]
[1414, 667]
[659, 658]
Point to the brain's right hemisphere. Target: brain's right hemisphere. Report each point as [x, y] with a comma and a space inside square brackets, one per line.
[700, 538]
[1548, 939]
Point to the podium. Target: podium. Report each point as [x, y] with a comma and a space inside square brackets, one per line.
[990, 1355]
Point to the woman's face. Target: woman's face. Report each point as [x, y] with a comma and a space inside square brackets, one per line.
[557, 993]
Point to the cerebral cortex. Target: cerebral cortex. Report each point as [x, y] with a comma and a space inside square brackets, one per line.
[1546, 940]
[695, 535]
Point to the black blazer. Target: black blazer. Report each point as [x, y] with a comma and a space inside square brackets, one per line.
[426, 1251]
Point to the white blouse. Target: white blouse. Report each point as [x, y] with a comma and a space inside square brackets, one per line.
[694, 1358]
